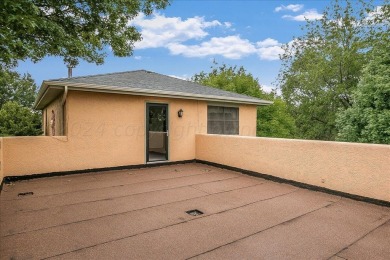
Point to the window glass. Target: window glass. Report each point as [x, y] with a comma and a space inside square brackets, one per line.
[215, 127]
[215, 113]
[231, 113]
[231, 128]
[222, 120]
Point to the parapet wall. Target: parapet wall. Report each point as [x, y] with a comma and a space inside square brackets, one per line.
[358, 169]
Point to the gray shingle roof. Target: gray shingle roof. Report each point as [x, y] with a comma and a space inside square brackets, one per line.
[150, 82]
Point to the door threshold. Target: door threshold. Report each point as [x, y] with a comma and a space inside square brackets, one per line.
[154, 162]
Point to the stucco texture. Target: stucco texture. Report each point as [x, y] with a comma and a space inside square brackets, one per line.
[108, 130]
[247, 120]
[360, 169]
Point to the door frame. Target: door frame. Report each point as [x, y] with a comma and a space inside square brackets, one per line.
[157, 104]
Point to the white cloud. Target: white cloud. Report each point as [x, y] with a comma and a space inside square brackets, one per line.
[269, 89]
[227, 24]
[311, 14]
[160, 30]
[293, 8]
[269, 49]
[375, 13]
[172, 33]
[231, 47]
[266, 88]
[270, 53]
[267, 43]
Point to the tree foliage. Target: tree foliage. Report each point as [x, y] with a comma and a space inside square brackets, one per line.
[368, 119]
[73, 29]
[17, 94]
[17, 120]
[234, 79]
[322, 68]
[272, 120]
[15, 87]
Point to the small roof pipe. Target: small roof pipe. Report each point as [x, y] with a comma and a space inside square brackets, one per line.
[69, 71]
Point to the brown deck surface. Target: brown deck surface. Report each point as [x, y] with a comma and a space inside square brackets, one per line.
[141, 214]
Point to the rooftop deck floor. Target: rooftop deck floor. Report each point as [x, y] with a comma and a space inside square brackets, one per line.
[141, 214]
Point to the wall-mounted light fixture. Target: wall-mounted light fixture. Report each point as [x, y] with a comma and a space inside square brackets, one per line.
[180, 113]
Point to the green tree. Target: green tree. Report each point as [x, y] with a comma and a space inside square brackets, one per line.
[18, 88]
[17, 94]
[234, 79]
[17, 120]
[272, 120]
[321, 69]
[368, 119]
[73, 29]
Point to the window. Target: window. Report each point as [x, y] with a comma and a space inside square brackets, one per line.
[54, 117]
[222, 120]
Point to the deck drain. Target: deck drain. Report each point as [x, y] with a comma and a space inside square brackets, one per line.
[25, 193]
[194, 212]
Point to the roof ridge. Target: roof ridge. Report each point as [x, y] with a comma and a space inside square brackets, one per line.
[101, 74]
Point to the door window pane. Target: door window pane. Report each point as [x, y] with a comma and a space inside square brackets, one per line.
[157, 138]
[157, 118]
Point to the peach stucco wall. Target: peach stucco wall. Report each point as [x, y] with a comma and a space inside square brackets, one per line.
[360, 169]
[108, 130]
[247, 120]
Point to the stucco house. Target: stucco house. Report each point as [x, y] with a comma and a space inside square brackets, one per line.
[138, 117]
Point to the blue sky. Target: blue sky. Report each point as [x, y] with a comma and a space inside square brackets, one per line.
[187, 36]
